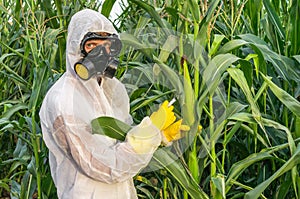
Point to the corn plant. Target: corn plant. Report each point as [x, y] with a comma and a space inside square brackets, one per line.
[233, 67]
[234, 77]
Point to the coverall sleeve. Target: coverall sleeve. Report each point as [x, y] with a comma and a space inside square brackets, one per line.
[91, 154]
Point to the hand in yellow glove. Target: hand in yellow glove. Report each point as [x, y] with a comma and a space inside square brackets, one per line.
[164, 116]
[145, 137]
[173, 132]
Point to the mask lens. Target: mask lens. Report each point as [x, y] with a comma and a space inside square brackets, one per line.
[81, 71]
[115, 47]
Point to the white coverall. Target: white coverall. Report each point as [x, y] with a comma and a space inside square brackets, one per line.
[85, 165]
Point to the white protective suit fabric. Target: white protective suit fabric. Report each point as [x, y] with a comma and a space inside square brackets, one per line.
[85, 165]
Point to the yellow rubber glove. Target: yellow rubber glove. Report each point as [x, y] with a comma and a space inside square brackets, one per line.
[164, 116]
[173, 132]
[145, 137]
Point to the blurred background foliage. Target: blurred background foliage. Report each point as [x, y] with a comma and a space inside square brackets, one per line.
[232, 65]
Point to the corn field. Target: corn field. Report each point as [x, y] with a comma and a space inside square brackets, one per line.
[233, 67]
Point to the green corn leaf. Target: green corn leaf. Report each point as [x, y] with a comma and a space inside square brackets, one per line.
[145, 191]
[219, 182]
[297, 127]
[295, 179]
[49, 11]
[12, 110]
[216, 44]
[276, 125]
[297, 57]
[162, 157]
[240, 79]
[255, 59]
[173, 12]
[231, 110]
[294, 19]
[290, 164]
[188, 107]
[131, 40]
[107, 7]
[4, 185]
[253, 39]
[41, 77]
[211, 10]
[59, 7]
[238, 167]
[215, 69]
[254, 16]
[110, 127]
[291, 103]
[203, 26]
[149, 100]
[259, 62]
[246, 117]
[283, 189]
[4, 9]
[247, 69]
[266, 122]
[18, 52]
[173, 77]
[231, 45]
[265, 53]
[11, 73]
[151, 10]
[274, 18]
[193, 163]
[50, 37]
[17, 11]
[168, 47]
[195, 10]
[146, 181]
[277, 61]
[212, 76]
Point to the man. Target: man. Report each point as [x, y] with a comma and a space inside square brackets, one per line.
[85, 165]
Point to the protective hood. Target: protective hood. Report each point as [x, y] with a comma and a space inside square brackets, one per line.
[81, 23]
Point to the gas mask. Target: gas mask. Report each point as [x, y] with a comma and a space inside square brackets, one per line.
[98, 60]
